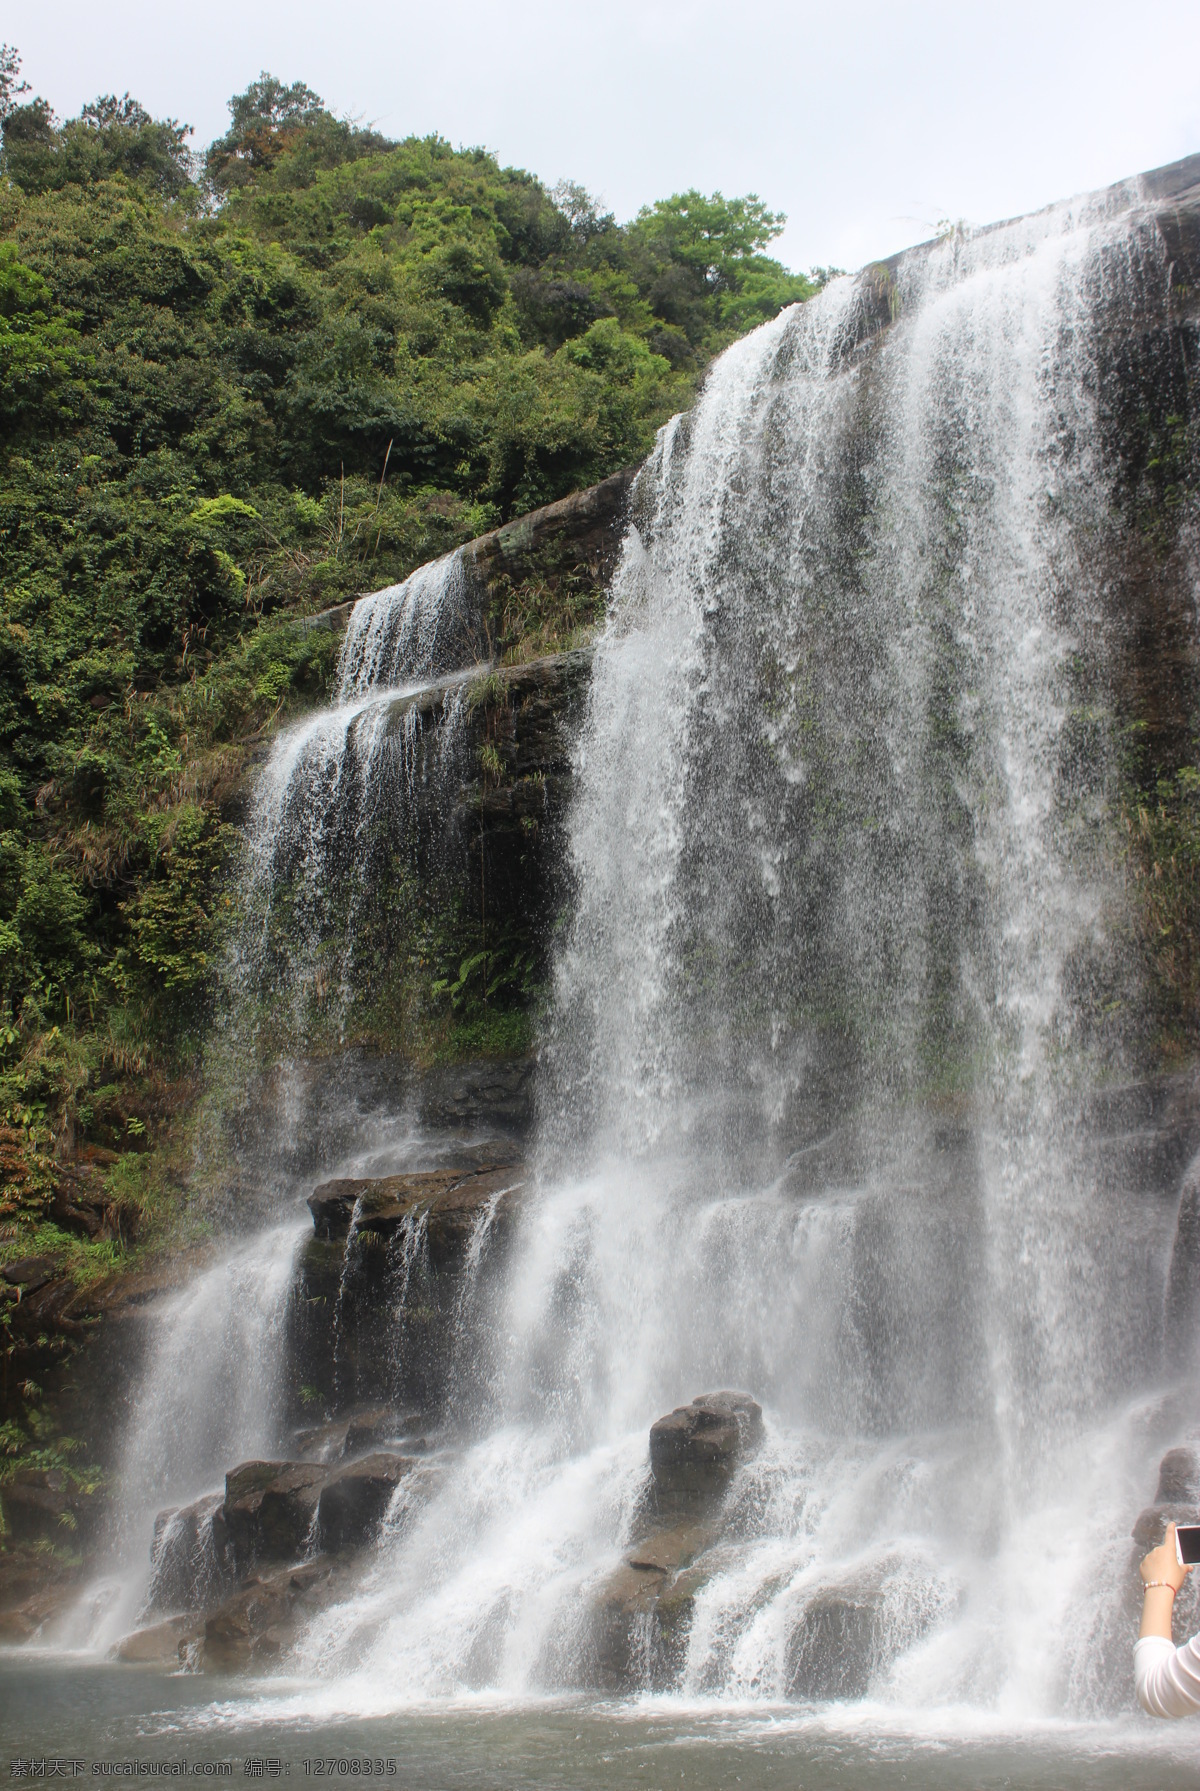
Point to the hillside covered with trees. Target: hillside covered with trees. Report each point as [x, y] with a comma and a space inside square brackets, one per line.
[235, 388]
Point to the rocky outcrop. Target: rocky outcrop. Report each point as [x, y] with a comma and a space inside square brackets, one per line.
[238, 1573]
[448, 1204]
[578, 536]
[261, 1620]
[579, 533]
[354, 1500]
[849, 1631]
[283, 1510]
[642, 1611]
[695, 1449]
[831, 1648]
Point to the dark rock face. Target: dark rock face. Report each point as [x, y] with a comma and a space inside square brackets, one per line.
[29, 1273]
[695, 1449]
[269, 1511]
[499, 830]
[186, 1566]
[449, 1203]
[582, 530]
[496, 1094]
[384, 1272]
[1178, 1478]
[354, 1500]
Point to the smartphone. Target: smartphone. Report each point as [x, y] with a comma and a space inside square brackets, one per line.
[1187, 1544]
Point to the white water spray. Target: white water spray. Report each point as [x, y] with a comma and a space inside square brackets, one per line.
[812, 1105]
[811, 1102]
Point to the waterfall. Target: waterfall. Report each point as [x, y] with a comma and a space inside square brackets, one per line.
[337, 795]
[409, 631]
[813, 1104]
[848, 962]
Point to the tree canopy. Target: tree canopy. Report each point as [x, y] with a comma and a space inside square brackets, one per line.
[236, 387]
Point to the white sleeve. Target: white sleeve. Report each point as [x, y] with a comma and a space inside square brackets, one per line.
[1167, 1678]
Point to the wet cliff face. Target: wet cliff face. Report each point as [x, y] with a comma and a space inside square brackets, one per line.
[404, 867]
[442, 871]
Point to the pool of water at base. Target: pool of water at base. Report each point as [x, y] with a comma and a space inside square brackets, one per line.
[123, 1722]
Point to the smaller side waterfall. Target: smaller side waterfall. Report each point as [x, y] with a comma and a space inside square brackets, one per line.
[352, 799]
[211, 1391]
[412, 630]
[348, 804]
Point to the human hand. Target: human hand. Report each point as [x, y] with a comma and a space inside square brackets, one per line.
[1163, 1564]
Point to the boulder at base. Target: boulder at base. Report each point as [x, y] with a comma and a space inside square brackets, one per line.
[261, 1621]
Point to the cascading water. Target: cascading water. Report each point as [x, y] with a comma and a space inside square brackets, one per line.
[814, 1094]
[845, 971]
[212, 1390]
[337, 794]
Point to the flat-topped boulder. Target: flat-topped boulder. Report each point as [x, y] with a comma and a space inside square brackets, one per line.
[448, 1203]
[695, 1449]
[164, 1644]
[269, 1511]
[285, 1510]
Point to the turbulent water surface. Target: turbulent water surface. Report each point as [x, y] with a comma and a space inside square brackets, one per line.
[109, 1715]
[813, 1112]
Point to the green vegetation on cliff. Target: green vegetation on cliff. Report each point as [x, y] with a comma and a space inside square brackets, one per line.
[234, 390]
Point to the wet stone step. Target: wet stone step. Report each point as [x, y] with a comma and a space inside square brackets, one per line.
[449, 1203]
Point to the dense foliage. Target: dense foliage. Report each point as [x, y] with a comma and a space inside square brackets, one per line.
[233, 390]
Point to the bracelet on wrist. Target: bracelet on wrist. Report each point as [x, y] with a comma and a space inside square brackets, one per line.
[1149, 1585]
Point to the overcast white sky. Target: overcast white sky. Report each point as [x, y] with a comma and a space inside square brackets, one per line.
[866, 122]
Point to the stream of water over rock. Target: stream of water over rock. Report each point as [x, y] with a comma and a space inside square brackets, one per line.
[813, 1100]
